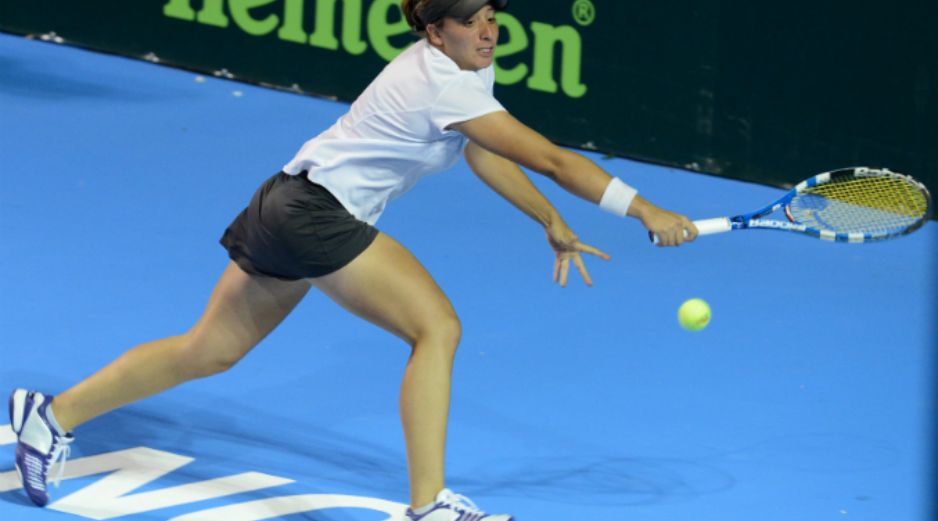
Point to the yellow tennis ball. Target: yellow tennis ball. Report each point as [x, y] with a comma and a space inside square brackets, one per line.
[694, 314]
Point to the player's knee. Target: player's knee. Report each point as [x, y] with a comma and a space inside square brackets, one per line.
[220, 360]
[443, 331]
[206, 356]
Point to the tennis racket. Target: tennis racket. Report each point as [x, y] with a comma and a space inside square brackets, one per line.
[856, 205]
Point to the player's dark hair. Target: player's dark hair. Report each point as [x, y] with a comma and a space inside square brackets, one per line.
[421, 13]
[409, 7]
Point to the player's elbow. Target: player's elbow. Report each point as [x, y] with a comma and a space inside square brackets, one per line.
[553, 164]
[557, 165]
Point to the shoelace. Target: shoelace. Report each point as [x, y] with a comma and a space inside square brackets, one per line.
[468, 511]
[60, 453]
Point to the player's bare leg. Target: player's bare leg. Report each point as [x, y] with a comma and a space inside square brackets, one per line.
[389, 287]
[242, 310]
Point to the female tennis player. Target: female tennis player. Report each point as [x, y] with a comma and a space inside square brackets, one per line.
[311, 225]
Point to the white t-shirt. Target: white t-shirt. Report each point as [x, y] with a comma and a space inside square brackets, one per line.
[395, 132]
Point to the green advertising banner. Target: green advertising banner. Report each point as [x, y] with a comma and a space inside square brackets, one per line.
[766, 92]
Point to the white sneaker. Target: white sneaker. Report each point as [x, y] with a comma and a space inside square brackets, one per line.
[39, 445]
[453, 507]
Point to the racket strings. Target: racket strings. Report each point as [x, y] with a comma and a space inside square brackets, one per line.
[869, 205]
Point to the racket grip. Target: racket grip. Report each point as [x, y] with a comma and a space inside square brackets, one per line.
[704, 227]
[712, 226]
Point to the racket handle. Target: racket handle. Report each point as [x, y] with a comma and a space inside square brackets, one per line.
[704, 227]
[712, 226]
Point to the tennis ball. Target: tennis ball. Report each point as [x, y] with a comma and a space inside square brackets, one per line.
[694, 314]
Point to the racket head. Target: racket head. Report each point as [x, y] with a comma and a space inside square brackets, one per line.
[860, 204]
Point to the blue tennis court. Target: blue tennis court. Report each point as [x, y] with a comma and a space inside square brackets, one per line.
[807, 398]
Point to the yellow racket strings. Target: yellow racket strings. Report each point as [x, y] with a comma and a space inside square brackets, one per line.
[875, 205]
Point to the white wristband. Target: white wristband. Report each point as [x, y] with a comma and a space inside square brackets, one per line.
[618, 197]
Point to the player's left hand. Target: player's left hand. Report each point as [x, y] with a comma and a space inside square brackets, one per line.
[567, 247]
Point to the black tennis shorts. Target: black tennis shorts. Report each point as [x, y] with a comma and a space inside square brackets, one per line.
[295, 229]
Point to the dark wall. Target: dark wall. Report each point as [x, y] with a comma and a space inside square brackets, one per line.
[771, 92]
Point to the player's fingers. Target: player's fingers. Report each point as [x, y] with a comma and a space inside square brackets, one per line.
[671, 237]
[680, 234]
[564, 270]
[582, 267]
[690, 230]
[586, 248]
[556, 267]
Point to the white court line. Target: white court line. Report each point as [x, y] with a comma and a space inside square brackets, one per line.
[6, 435]
[8, 480]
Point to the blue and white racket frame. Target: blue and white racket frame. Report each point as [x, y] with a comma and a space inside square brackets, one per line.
[754, 220]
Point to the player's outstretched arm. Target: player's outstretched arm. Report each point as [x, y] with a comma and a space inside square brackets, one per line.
[502, 134]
